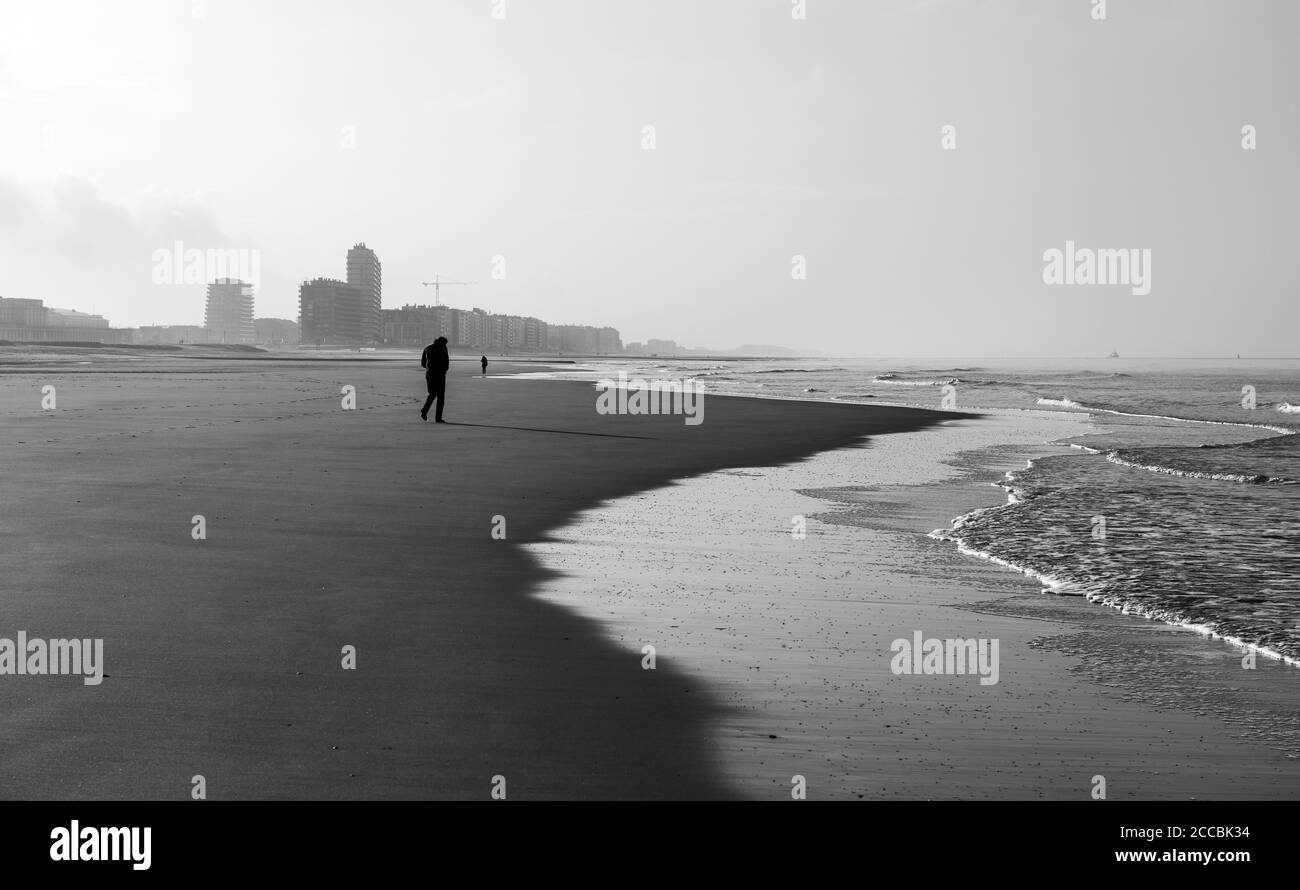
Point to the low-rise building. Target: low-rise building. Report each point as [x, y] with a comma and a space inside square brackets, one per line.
[71, 318]
[276, 332]
[170, 334]
[333, 312]
[24, 320]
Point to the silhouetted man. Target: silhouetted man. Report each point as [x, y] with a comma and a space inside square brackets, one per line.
[483, 361]
[435, 362]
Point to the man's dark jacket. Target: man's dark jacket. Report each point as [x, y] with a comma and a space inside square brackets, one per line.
[435, 359]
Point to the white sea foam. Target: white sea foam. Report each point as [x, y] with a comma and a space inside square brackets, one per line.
[895, 380]
[1285, 431]
[1074, 588]
[1114, 458]
[1064, 587]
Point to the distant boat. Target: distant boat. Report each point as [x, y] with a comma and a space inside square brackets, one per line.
[1114, 354]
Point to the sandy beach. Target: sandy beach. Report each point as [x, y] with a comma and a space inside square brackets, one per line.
[481, 656]
[328, 528]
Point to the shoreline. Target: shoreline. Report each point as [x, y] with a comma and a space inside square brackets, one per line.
[1072, 668]
[1111, 455]
[1067, 588]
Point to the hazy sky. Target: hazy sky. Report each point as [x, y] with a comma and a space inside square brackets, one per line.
[443, 136]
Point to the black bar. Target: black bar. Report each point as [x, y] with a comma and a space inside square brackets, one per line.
[660, 841]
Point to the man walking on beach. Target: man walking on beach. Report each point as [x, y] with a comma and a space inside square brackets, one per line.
[435, 362]
[484, 362]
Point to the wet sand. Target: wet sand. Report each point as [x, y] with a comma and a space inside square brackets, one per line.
[329, 528]
[796, 634]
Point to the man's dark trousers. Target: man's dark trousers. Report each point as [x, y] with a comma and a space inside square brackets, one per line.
[437, 384]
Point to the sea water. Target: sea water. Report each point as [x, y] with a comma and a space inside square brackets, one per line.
[1180, 502]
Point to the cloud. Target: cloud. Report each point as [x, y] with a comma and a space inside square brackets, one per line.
[66, 244]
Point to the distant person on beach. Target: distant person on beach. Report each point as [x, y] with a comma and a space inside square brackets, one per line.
[435, 362]
[483, 361]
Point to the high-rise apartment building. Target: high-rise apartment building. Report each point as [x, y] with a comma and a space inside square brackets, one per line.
[344, 313]
[366, 273]
[229, 315]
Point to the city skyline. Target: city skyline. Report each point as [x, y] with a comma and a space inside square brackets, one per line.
[229, 319]
[360, 275]
[330, 310]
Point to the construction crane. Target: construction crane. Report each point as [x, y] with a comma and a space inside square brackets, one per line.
[437, 285]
